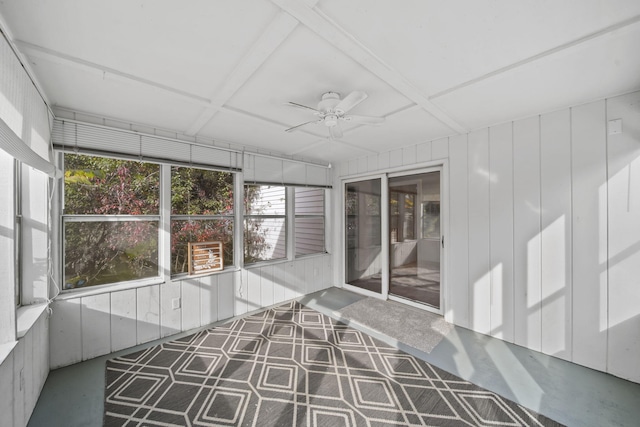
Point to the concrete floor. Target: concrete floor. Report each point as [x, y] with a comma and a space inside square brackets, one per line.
[563, 391]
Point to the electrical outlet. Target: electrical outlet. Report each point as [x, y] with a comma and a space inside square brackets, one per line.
[615, 126]
[175, 303]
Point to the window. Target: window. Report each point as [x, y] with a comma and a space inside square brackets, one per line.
[265, 223]
[402, 216]
[309, 220]
[111, 218]
[201, 211]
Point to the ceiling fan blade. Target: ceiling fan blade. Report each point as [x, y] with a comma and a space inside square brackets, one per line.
[294, 104]
[296, 127]
[335, 132]
[350, 101]
[364, 120]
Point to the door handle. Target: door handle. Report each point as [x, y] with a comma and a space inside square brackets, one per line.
[443, 241]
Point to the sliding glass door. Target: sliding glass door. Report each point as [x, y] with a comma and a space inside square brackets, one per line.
[414, 238]
[393, 240]
[363, 234]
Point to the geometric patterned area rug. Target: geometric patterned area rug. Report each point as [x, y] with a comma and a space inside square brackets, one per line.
[291, 365]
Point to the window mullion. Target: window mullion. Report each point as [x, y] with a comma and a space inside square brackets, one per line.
[290, 222]
[164, 230]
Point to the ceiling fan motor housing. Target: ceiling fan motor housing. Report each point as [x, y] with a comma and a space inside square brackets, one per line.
[329, 102]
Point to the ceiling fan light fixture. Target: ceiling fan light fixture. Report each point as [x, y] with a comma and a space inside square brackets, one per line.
[331, 120]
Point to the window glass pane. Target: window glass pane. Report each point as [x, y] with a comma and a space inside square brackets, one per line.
[109, 252]
[185, 231]
[309, 201]
[409, 231]
[309, 235]
[264, 239]
[264, 200]
[201, 192]
[309, 220]
[104, 186]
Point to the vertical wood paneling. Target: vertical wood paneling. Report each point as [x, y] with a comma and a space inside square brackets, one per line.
[290, 280]
[7, 221]
[423, 152]
[226, 295]
[19, 417]
[362, 165]
[300, 280]
[266, 285]
[208, 299]
[327, 271]
[353, 166]
[409, 155]
[240, 293]
[318, 267]
[148, 313]
[254, 295]
[28, 375]
[279, 284]
[526, 225]
[310, 276]
[170, 318]
[7, 374]
[589, 225]
[458, 239]
[190, 303]
[372, 163]
[479, 219]
[96, 321]
[395, 158]
[555, 161]
[440, 149]
[383, 160]
[123, 319]
[501, 230]
[624, 238]
[66, 332]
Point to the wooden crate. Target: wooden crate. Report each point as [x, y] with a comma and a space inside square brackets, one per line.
[205, 257]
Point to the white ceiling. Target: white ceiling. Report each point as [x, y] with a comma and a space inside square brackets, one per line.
[223, 70]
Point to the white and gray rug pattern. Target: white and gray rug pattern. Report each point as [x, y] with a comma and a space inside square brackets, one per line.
[291, 365]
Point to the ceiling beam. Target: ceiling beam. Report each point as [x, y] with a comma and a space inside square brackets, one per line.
[597, 34]
[50, 55]
[35, 51]
[323, 26]
[277, 31]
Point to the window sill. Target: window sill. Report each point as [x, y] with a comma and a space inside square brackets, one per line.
[185, 276]
[106, 289]
[27, 316]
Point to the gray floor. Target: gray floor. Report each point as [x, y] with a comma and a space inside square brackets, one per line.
[568, 393]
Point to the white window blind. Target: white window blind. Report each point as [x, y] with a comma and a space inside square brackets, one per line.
[69, 135]
[14, 146]
[271, 170]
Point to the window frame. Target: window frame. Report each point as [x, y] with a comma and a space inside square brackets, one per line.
[286, 227]
[71, 218]
[17, 230]
[186, 217]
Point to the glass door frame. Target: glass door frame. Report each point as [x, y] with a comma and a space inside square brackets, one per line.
[384, 219]
[435, 166]
[443, 216]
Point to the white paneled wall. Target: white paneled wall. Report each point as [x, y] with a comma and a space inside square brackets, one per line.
[544, 224]
[23, 373]
[90, 326]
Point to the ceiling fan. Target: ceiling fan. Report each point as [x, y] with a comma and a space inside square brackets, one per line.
[331, 109]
